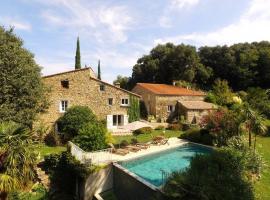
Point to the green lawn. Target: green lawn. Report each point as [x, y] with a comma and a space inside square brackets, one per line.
[45, 150]
[262, 187]
[147, 137]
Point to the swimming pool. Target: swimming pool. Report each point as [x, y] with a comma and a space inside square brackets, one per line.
[152, 168]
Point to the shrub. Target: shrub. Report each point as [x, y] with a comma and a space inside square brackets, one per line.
[124, 143]
[222, 124]
[74, 119]
[91, 137]
[192, 135]
[52, 139]
[175, 127]
[134, 141]
[160, 127]
[144, 130]
[50, 162]
[64, 177]
[218, 175]
[198, 135]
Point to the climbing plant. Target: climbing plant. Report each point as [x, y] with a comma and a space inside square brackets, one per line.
[134, 109]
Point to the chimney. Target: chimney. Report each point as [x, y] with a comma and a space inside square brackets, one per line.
[117, 84]
[173, 82]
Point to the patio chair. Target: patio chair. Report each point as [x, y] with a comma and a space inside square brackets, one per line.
[119, 151]
[143, 145]
[132, 148]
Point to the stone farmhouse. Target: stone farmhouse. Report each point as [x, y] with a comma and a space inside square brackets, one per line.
[167, 102]
[81, 87]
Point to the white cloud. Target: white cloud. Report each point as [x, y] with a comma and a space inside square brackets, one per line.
[180, 4]
[253, 25]
[16, 23]
[106, 23]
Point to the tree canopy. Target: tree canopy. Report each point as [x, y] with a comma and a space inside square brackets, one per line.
[21, 89]
[169, 62]
[243, 65]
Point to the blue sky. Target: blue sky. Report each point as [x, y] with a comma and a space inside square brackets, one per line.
[118, 32]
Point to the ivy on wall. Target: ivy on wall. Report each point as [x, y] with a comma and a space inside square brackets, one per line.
[134, 109]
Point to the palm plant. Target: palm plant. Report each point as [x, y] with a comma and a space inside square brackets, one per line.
[254, 123]
[17, 158]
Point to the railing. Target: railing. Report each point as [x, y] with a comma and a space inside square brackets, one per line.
[165, 175]
[103, 156]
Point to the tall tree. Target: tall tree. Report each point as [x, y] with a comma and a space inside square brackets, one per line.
[78, 55]
[99, 72]
[21, 89]
[169, 62]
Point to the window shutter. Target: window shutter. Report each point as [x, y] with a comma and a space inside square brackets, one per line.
[109, 121]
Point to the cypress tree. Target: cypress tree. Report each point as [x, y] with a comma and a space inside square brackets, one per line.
[78, 55]
[99, 72]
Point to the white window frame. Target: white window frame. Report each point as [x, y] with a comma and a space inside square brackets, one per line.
[126, 101]
[170, 108]
[109, 101]
[63, 106]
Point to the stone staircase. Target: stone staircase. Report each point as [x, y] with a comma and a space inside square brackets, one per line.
[43, 177]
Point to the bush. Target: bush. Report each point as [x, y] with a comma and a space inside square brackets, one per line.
[124, 143]
[65, 175]
[198, 135]
[50, 162]
[52, 139]
[192, 135]
[74, 119]
[218, 175]
[160, 127]
[134, 141]
[175, 127]
[91, 137]
[144, 130]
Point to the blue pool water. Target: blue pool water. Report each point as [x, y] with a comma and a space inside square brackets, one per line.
[150, 167]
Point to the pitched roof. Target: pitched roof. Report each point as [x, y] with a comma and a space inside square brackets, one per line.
[197, 105]
[164, 89]
[66, 72]
[88, 69]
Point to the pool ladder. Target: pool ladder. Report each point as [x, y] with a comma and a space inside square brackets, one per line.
[165, 175]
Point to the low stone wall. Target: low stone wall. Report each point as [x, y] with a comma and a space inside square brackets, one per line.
[127, 187]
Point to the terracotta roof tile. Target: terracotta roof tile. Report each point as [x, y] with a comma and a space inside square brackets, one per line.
[197, 105]
[164, 89]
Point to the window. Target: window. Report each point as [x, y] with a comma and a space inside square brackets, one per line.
[65, 83]
[124, 102]
[110, 101]
[170, 108]
[63, 106]
[102, 87]
[118, 120]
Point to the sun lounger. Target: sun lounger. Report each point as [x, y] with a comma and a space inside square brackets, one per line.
[143, 145]
[119, 151]
[132, 148]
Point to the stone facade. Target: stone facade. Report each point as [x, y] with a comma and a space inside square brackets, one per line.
[85, 90]
[192, 115]
[158, 104]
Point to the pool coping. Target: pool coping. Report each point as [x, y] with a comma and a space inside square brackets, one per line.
[140, 179]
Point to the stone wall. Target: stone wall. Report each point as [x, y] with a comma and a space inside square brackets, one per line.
[148, 98]
[83, 90]
[162, 103]
[126, 187]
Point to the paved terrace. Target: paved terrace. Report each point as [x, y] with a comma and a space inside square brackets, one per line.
[172, 143]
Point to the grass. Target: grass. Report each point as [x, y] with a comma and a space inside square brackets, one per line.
[262, 187]
[45, 150]
[147, 137]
